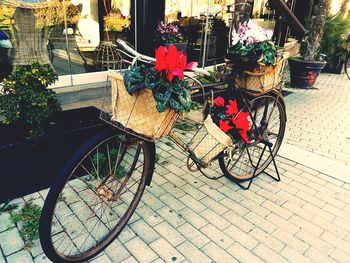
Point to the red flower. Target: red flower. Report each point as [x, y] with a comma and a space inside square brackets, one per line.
[172, 62]
[219, 101]
[241, 121]
[232, 108]
[225, 126]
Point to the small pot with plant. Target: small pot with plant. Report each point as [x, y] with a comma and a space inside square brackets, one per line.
[36, 138]
[167, 34]
[305, 69]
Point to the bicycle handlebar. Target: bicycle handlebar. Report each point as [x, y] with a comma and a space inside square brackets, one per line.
[138, 55]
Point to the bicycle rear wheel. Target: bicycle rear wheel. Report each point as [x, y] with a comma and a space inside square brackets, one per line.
[347, 67]
[241, 164]
[94, 196]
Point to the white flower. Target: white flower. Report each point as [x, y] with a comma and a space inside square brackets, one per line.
[235, 37]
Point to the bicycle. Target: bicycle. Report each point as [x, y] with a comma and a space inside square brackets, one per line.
[99, 189]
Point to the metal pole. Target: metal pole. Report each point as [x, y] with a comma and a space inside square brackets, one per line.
[206, 35]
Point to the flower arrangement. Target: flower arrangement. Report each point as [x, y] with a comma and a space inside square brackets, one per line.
[252, 44]
[165, 79]
[167, 33]
[231, 120]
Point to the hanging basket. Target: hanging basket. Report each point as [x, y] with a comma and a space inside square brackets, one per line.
[259, 79]
[137, 113]
[209, 141]
[106, 56]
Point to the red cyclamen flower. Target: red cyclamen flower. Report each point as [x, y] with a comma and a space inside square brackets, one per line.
[225, 126]
[232, 108]
[219, 101]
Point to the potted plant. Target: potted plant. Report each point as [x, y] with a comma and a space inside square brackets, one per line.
[147, 100]
[305, 69]
[167, 34]
[334, 42]
[254, 58]
[36, 139]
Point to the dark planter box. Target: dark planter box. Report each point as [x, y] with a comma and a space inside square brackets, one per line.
[30, 165]
[303, 74]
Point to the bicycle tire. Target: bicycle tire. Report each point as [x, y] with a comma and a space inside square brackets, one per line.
[347, 67]
[245, 158]
[55, 204]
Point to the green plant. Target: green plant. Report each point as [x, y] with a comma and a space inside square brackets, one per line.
[7, 207]
[334, 39]
[252, 45]
[166, 34]
[310, 49]
[157, 158]
[29, 217]
[26, 98]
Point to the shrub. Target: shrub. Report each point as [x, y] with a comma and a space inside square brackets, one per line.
[26, 98]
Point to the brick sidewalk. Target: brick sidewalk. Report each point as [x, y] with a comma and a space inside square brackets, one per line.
[319, 119]
[186, 217]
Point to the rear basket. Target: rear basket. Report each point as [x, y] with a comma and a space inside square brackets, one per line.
[259, 79]
[209, 141]
[137, 113]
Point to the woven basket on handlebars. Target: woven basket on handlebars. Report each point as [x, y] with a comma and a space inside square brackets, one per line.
[209, 141]
[259, 79]
[138, 112]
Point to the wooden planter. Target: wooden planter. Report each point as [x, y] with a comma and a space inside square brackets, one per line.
[30, 165]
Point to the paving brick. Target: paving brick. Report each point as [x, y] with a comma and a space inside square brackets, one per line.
[306, 225]
[314, 241]
[333, 228]
[230, 192]
[238, 221]
[241, 237]
[192, 203]
[192, 253]
[173, 190]
[267, 239]
[213, 205]
[130, 260]
[166, 251]
[5, 221]
[10, 241]
[340, 213]
[278, 210]
[102, 259]
[318, 256]
[272, 196]
[140, 250]
[171, 217]
[172, 202]
[209, 191]
[152, 201]
[282, 223]
[268, 255]
[159, 260]
[330, 238]
[144, 231]
[290, 240]
[210, 216]
[340, 255]
[156, 190]
[260, 222]
[298, 210]
[242, 254]
[234, 206]
[193, 218]
[42, 259]
[193, 235]
[147, 214]
[169, 233]
[116, 251]
[218, 254]
[193, 191]
[255, 207]
[126, 234]
[294, 256]
[219, 237]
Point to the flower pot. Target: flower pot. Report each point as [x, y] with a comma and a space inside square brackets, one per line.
[181, 46]
[29, 165]
[303, 74]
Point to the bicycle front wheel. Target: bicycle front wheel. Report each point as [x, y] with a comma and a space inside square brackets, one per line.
[268, 113]
[94, 197]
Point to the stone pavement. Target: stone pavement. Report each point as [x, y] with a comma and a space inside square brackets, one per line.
[186, 217]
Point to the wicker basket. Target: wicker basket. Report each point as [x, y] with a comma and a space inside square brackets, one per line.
[138, 112]
[259, 79]
[209, 141]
